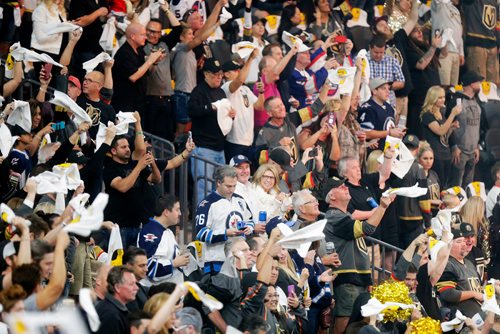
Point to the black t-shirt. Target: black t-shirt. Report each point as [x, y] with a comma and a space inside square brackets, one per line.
[128, 96]
[422, 79]
[439, 144]
[124, 209]
[89, 42]
[397, 48]
[360, 194]
[98, 111]
[426, 293]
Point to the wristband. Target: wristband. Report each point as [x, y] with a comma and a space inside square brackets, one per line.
[139, 133]
[182, 156]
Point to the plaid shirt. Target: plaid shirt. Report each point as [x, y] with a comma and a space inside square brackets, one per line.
[389, 69]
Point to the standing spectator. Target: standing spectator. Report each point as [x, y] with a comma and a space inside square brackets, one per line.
[446, 15]
[328, 20]
[164, 260]
[493, 194]
[122, 289]
[464, 140]
[385, 66]
[254, 29]
[88, 14]
[460, 287]
[437, 130]
[45, 15]
[130, 69]
[124, 179]
[481, 37]
[347, 234]
[160, 112]
[414, 213]
[239, 140]
[206, 131]
[423, 61]
[218, 216]
[426, 159]
[377, 115]
[90, 101]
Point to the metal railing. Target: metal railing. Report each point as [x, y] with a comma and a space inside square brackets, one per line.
[178, 184]
[382, 272]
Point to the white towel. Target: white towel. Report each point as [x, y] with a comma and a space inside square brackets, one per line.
[224, 16]
[291, 40]
[89, 65]
[6, 140]
[225, 122]
[412, 192]
[90, 219]
[21, 115]
[374, 307]
[244, 49]
[456, 324]
[302, 238]
[61, 27]
[19, 53]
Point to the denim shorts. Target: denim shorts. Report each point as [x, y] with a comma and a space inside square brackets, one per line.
[181, 100]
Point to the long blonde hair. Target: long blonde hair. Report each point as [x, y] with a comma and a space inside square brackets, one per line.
[430, 100]
[154, 304]
[472, 212]
[61, 10]
[260, 172]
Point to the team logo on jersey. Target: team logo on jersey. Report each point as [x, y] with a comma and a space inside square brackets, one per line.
[389, 123]
[233, 218]
[489, 15]
[202, 203]
[394, 52]
[246, 102]
[150, 237]
[94, 114]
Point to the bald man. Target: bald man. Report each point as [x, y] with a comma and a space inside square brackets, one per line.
[130, 68]
[91, 102]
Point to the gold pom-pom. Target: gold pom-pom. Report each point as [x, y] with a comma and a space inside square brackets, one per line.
[392, 291]
[425, 325]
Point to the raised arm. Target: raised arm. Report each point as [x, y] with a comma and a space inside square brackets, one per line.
[10, 86]
[443, 129]
[412, 19]
[74, 37]
[280, 66]
[242, 76]
[139, 144]
[108, 75]
[85, 20]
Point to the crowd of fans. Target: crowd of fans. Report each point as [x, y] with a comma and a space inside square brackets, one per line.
[323, 122]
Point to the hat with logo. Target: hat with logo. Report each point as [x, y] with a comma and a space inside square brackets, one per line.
[77, 157]
[411, 141]
[212, 65]
[280, 156]
[333, 182]
[238, 160]
[273, 222]
[463, 230]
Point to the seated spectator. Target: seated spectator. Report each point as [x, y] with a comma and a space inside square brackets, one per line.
[136, 260]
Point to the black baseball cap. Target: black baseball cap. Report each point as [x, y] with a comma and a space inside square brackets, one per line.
[255, 20]
[470, 77]
[77, 157]
[333, 182]
[273, 222]
[231, 65]
[411, 140]
[17, 130]
[212, 65]
[463, 230]
[280, 156]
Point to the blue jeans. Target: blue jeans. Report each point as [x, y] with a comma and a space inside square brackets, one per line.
[181, 100]
[129, 236]
[159, 117]
[203, 185]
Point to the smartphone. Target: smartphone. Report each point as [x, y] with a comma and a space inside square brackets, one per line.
[313, 152]
[459, 102]
[437, 32]
[190, 135]
[149, 149]
[331, 120]
[291, 290]
[241, 225]
[47, 68]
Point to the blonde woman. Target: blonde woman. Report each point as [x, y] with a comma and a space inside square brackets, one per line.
[437, 130]
[426, 160]
[265, 192]
[398, 12]
[472, 212]
[154, 304]
[45, 15]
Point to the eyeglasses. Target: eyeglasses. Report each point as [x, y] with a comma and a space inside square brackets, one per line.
[90, 80]
[313, 201]
[156, 32]
[178, 329]
[217, 74]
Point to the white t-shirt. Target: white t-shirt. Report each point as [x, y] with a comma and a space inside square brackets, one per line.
[491, 200]
[242, 101]
[180, 7]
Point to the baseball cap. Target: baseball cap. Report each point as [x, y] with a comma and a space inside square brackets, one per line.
[280, 156]
[463, 230]
[470, 77]
[212, 65]
[411, 140]
[77, 157]
[333, 182]
[17, 130]
[7, 248]
[231, 65]
[255, 20]
[74, 80]
[238, 160]
[377, 82]
[273, 222]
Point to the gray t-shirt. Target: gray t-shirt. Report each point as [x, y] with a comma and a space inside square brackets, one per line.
[184, 66]
[159, 79]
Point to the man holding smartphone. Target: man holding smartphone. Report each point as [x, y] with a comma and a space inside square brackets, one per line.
[464, 140]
